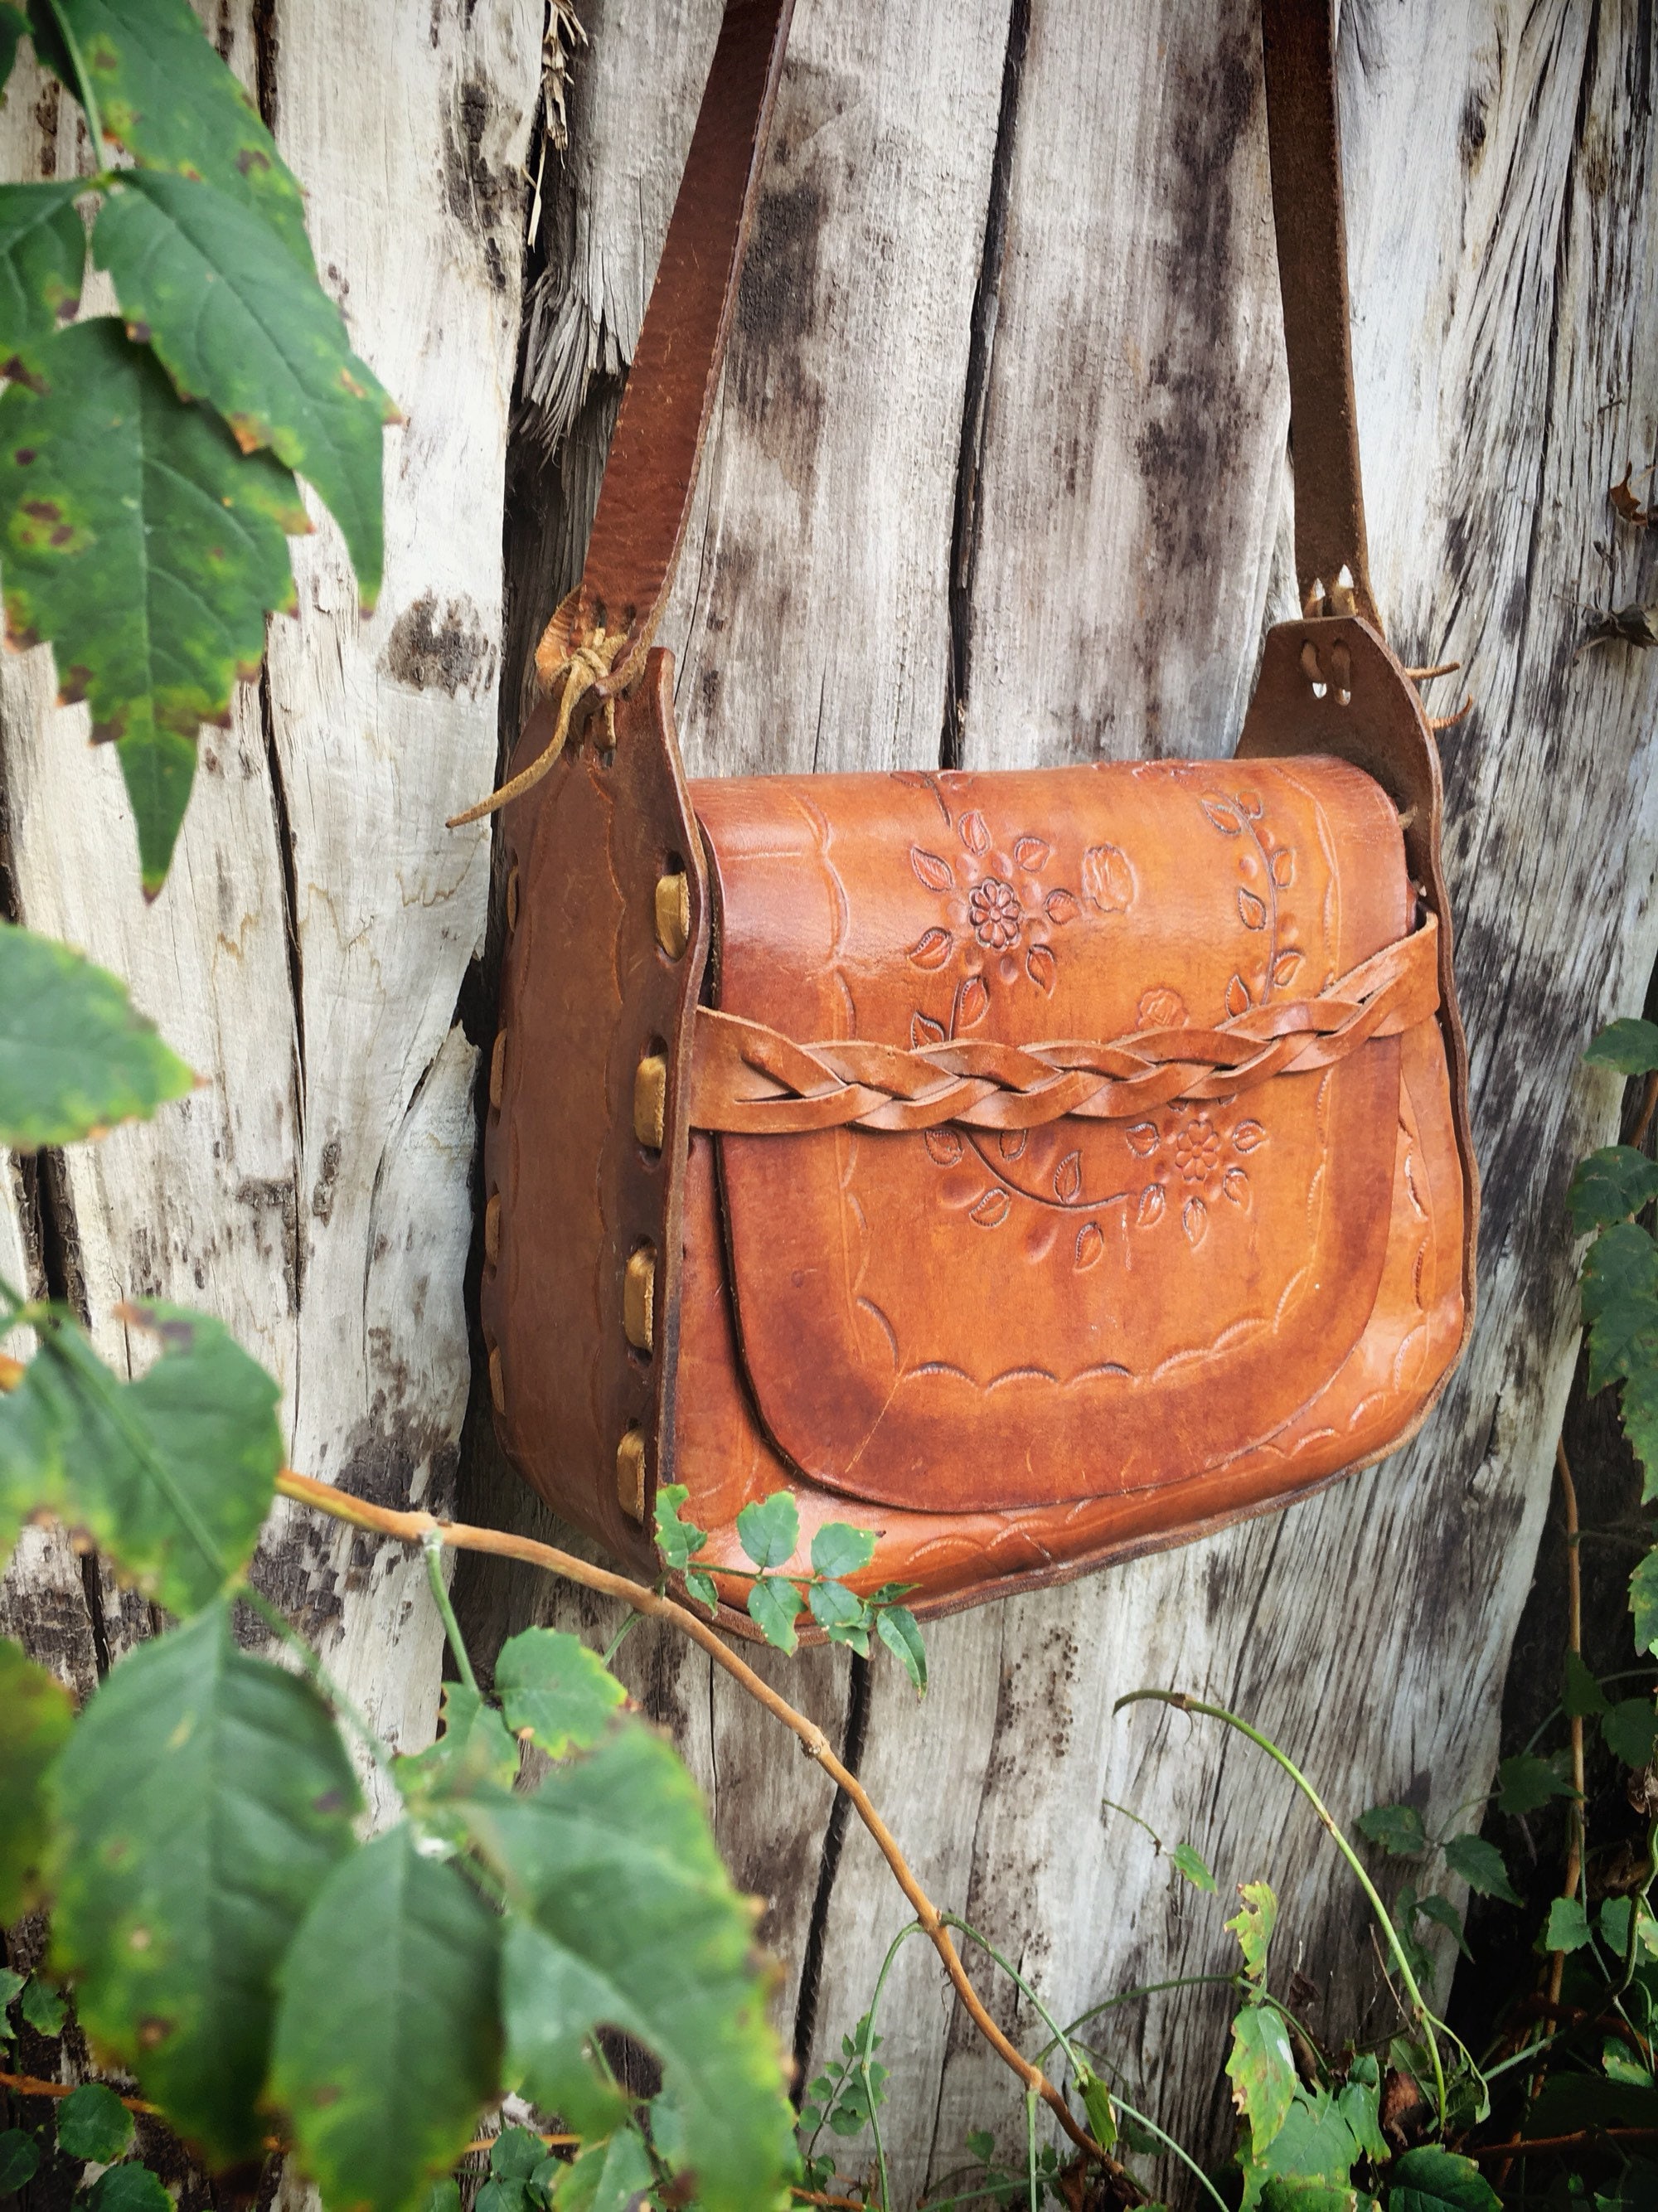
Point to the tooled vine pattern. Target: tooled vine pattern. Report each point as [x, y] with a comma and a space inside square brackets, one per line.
[998, 923]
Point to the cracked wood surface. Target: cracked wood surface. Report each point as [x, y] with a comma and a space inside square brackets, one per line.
[999, 468]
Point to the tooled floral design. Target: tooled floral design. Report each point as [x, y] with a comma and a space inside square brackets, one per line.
[1195, 1160]
[995, 913]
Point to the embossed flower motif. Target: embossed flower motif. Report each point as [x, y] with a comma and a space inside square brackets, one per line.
[1001, 914]
[1207, 1159]
[1197, 1149]
[995, 913]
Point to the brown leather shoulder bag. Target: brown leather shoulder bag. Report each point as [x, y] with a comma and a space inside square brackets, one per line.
[1038, 1167]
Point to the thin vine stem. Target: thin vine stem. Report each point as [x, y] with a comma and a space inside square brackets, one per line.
[1168, 2143]
[1183, 1704]
[283, 1629]
[433, 1548]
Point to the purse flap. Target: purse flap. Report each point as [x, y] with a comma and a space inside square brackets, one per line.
[979, 1319]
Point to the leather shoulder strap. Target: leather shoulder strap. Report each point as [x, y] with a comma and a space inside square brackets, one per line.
[651, 472]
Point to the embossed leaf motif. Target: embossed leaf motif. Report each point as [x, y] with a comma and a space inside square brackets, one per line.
[945, 1145]
[1031, 853]
[1194, 1220]
[1286, 967]
[1041, 968]
[1108, 879]
[924, 1031]
[1223, 816]
[1011, 1143]
[991, 1210]
[1236, 1184]
[1090, 1246]
[1252, 910]
[931, 949]
[1283, 867]
[1246, 1136]
[1237, 997]
[1068, 1179]
[974, 832]
[971, 1002]
[1062, 906]
[935, 873]
[1250, 802]
[1150, 1206]
[1142, 1137]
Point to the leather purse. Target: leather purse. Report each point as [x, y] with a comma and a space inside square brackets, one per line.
[1039, 1168]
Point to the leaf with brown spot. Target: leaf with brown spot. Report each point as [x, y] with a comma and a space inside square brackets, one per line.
[974, 832]
[1041, 968]
[1223, 817]
[1090, 1246]
[1068, 1179]
[1287, 967]
[935, 873]
[924, 1031]
[944, 1145]
[993, 1208]
[1237, 997]
[931, 949]
[972, 1003]
[1194, 1220]
[1142, 1138]
[1252, 911]
[1108, 879]
[43, 251]
[1150, 1208]
[1062, 906]
[1031, 854]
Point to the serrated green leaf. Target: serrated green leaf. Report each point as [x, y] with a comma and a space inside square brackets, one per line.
[172, 1474]
[201, 1798]
[43, 2006]
[607, 2177]
[1524, 1782]
[387, 2038]
[1638, 1411]
[1631, 1729]
[19, 2160]
[1189, 1862]
[76, 1056]
[898, 1629]
[1429, 2179]
[1323, 2137]
[165, 96]
[556, 1691]
[773, 1607]
[127, 2189]
[838, 1549]
[1610, 1186]
[10, 1986]
[769, 1529]
[1480, 1865]
[1262, 2069]
[1614, 1926]
[139, 543]
[1619, 2063]
[620, 1910]
[1444, 1914]
[1581, 1696]
[1643, 1602]
[474, 1749]
[43, 251]
[835, 1606]
[1630, 1046]
[678, 1540]
[35, 1715]
[1568, 1927]
[700, 1586]
[515, 2153]
[234, 320]
[1621, 1263]
[1252, 1924]
[94, 2123]
[501, 2197]
[1397, 1828]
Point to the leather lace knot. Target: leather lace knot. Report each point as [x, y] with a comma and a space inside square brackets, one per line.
[582, 671]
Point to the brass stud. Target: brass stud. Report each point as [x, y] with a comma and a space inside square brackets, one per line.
[497, 1387]
[651, 1100]
[1309, 667]
[1341, 667]
[630, 1474]
[512, 898]
[1344, 592]
[673, 914]
[492, 1229]
[639, 1299]
[498, 1069]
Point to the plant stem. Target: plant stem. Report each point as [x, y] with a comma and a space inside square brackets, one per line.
[413, 1528]
[432, 1545]
[1184, 2156]
[1326, 1819]
[614, 1643]
[1575, 1833]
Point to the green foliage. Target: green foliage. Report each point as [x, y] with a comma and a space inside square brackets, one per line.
[34, 1720]
[474, 1749]
[19, 2160]
[1190, 1862]
[851, 2088]
[94, 2123]
[773, 1607]
[609, 2176]
[1630, 1730]
[43, 2006]
[387, 2037]
[127, 2189]
[1582, 1697]
[172, 1474]
[769, 1529]
[1432, 2179]
[1524, 1782]
[1262, 2069]
[74, 1056]
[1480, 1865]
[1252, 1924]
[43, 252]
[1567, 1928]
[1630, 1046]
[201, 1798]
[838, 1550]
[1312, 2157]
[1610, 1186]
[554, 1693]
[1396, 1828]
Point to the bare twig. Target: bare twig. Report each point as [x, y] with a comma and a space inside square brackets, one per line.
[30, 2085]
[1638, 1135]
[1522, 2144]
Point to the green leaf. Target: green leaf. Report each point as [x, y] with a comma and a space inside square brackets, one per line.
[607, 2177]
[474, 1748]
[1253, 1925]
[201, 1797]
[1619, 2063]
[387, 2041]
[841, 1613]
[172, 1474]
[127, 2189]
[137, 541]
[897, 1628]
[1310, 2159]
[500, 2196]
[1524, 1782]
[1096, 2103]
[678, 1540]
[515, 2153]
[19, 2160]
[1620, 1301]
[94, 2123]
[35, 1714]
[43, 253]
[14, 28]
[1262, 2071]
[1397, 1828]
[1610, 1186]
[700, 1586]
[236, 321]
[444, 2194]
[75, 1057]
[556, 1691]
[838, 1549]
[1191, 1864]
[165, 97]
[1567, 1928]
[769, 1530]
[43, 2006]
[1480, 1865]
[620, 1910]
[1638, 1411]
[1630, 1046]
[1582, 1696]
[10, 1986]
[773, 1607]
[1569, 2100]
[1631, 1729]
[1614, 1926]
[1444, 1914]
[1429, 2179]
[1643, 1602]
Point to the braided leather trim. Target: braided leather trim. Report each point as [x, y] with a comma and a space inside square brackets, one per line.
[751, 1081]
